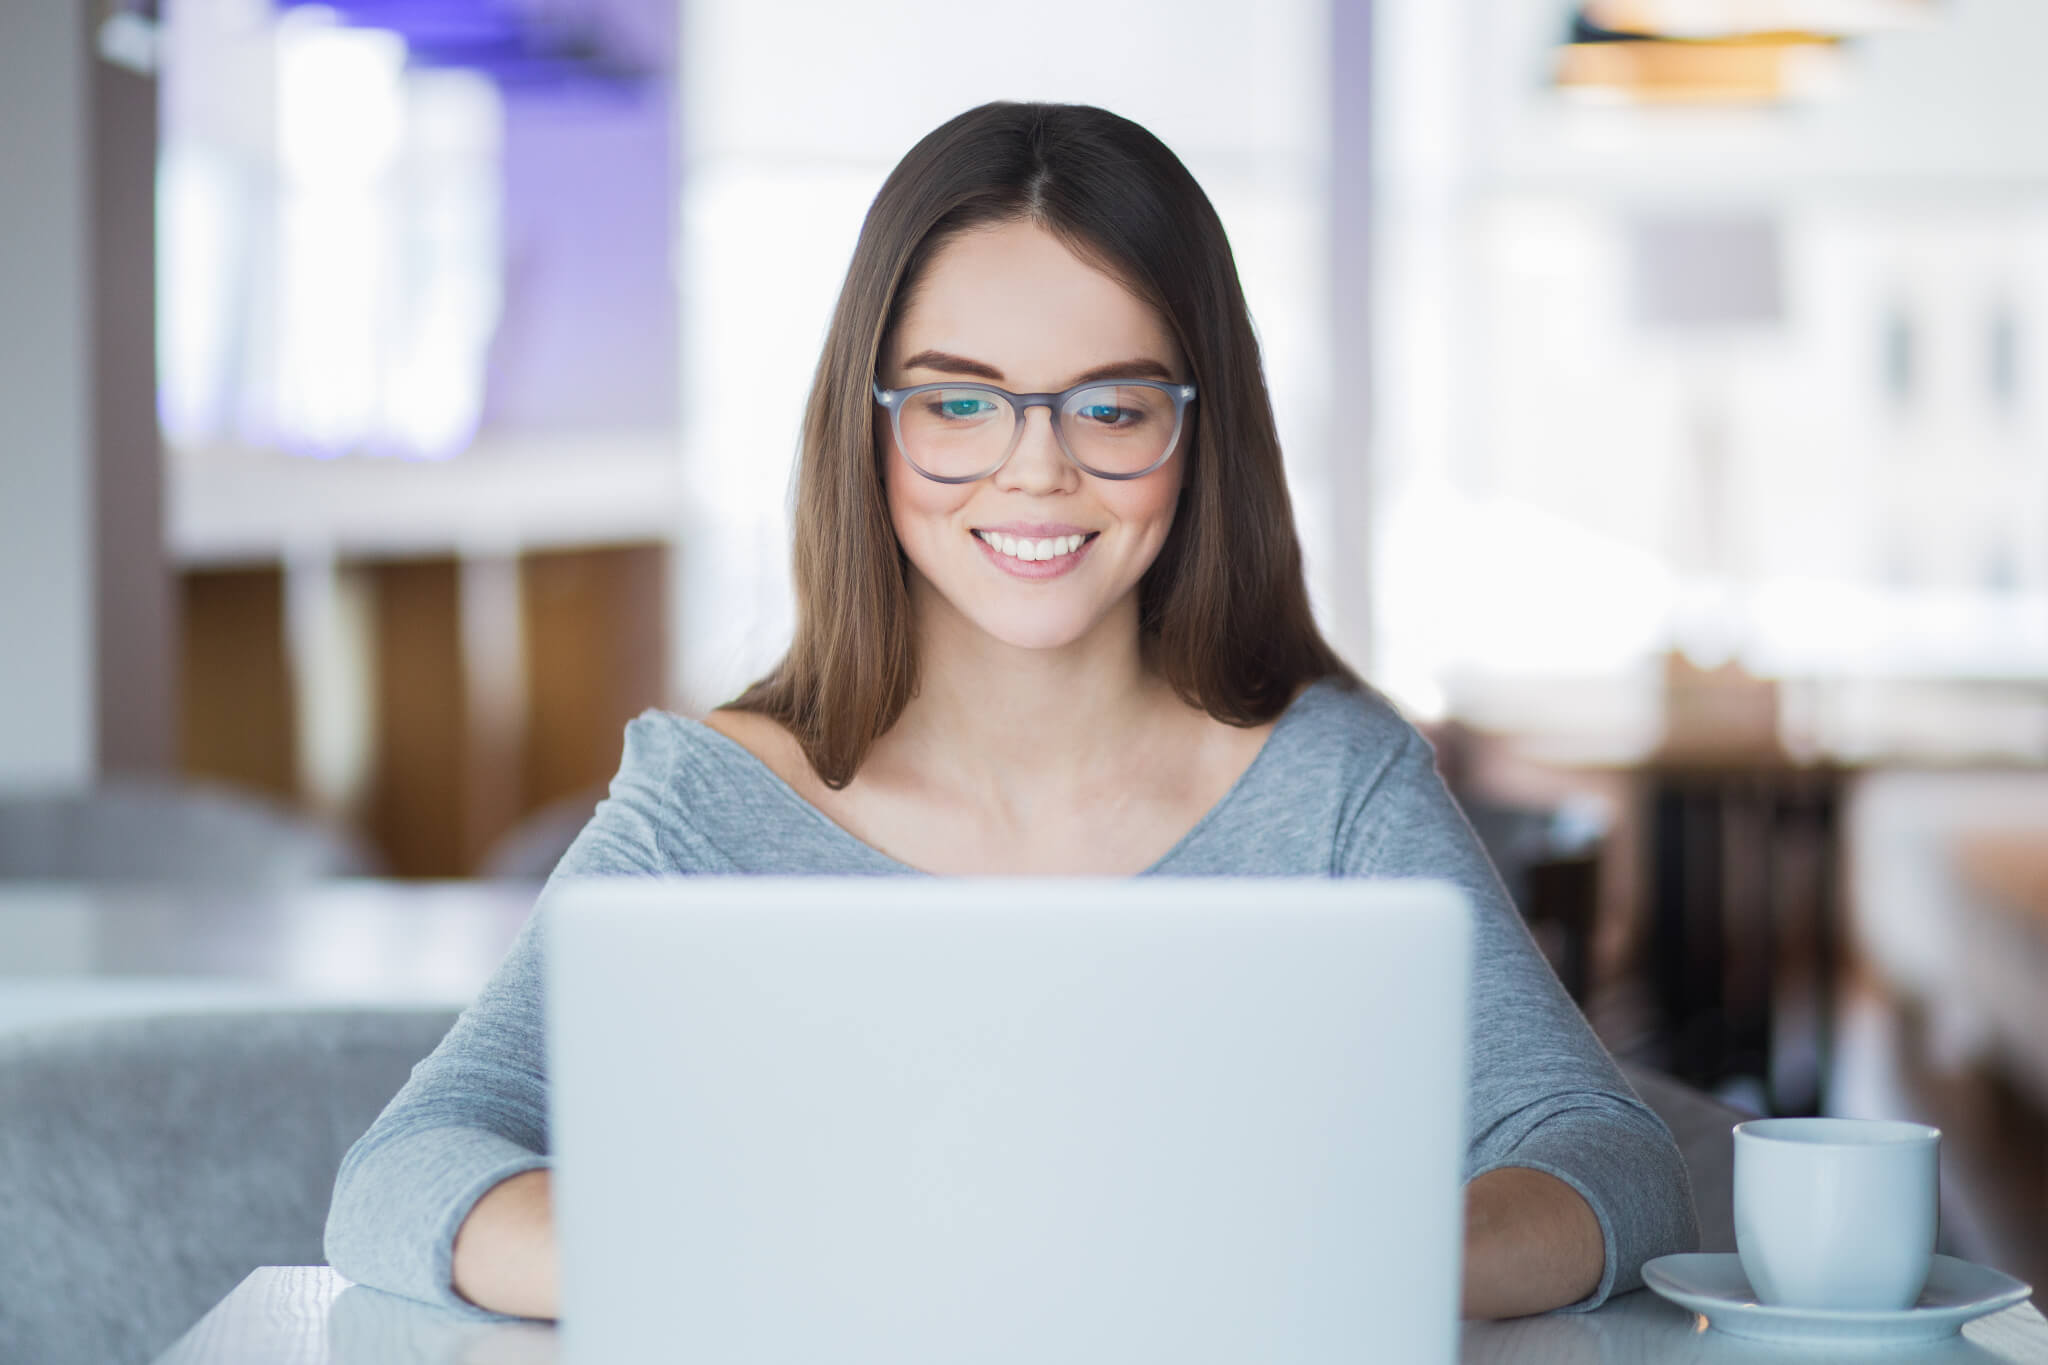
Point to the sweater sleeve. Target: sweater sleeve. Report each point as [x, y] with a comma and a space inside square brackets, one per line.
[475, 1111]
[1543, 1093]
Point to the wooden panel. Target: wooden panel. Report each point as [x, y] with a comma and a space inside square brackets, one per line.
[595, 632]
[498, 689]
[2009, 868]
[236, 721]
[417, 799]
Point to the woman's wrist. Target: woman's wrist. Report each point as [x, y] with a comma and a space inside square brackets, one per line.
[504, 1257]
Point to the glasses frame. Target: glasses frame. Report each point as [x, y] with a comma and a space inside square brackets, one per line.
[892, 401]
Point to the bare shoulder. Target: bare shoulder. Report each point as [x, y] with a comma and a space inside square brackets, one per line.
[765, 738]
[745, 728]
[1331, 730]
[1233, 746]
[1198, 757]
[1244, 740]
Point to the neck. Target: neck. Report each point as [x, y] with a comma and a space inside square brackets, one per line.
[999, 718]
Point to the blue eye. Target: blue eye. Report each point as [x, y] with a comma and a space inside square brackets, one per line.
[1106, 413]
[964, 407]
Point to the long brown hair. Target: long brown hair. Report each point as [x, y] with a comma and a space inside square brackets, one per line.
[1223, 611]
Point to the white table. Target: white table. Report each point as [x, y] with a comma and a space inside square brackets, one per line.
[72, 950]
[308, 1315]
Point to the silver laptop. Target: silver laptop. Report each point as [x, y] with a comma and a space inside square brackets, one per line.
[961, 1122]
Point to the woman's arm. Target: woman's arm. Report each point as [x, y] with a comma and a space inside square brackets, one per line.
[1544, 1098]
[505, 1250]
[1531, 1244]
[461, 1151]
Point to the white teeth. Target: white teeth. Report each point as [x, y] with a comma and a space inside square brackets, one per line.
[1032, 551]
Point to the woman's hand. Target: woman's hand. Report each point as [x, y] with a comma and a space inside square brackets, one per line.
[505, 1249]
[1531, 1244]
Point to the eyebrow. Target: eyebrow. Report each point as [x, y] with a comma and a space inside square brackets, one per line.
[947, 363]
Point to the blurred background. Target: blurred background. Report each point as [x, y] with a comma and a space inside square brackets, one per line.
[400, 395]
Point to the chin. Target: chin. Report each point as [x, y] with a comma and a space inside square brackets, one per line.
[1048, 627]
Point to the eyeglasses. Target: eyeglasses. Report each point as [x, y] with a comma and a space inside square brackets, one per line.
[1113, 429]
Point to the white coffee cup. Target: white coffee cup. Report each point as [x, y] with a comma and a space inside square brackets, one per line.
[1836, 1213]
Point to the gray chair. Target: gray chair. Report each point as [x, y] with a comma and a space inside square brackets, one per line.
[148, 1165]
[529, 851]
[142, 829]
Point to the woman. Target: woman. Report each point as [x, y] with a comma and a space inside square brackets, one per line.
[1051, 620]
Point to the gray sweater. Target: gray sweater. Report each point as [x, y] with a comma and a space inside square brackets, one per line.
[1343, 788]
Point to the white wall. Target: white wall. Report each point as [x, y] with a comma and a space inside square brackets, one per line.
[46, 644]
[1550, 466]
[1958, 101]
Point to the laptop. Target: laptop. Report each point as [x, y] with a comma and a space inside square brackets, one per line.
[1007, 1122]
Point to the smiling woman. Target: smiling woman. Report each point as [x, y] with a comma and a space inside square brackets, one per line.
[1051, 621]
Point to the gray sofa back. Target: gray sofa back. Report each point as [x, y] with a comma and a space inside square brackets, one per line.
[143, 829]
[148, 1165]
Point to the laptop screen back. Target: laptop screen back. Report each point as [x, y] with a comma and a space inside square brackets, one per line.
[1007, 1121]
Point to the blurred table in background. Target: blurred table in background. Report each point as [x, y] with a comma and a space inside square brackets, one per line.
[2010, 868]
[70, 950]
[2002, 948]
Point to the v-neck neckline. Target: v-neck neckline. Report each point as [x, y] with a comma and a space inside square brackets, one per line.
[1208, 817]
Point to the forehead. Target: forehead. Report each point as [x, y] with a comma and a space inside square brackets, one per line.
[1016, 297]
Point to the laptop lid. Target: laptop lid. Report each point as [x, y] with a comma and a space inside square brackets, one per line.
[930, 1122]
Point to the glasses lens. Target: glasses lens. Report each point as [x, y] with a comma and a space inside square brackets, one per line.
[956, 433]
[1120, 428]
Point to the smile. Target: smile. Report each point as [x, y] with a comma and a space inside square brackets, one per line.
[1035, 559]
[1028, 550]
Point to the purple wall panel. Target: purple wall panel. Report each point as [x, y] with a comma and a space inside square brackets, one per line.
[588, 336]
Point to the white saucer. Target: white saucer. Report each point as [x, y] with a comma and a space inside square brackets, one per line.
[1715, 1287]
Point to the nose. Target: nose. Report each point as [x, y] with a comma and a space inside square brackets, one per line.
[1037, 465]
